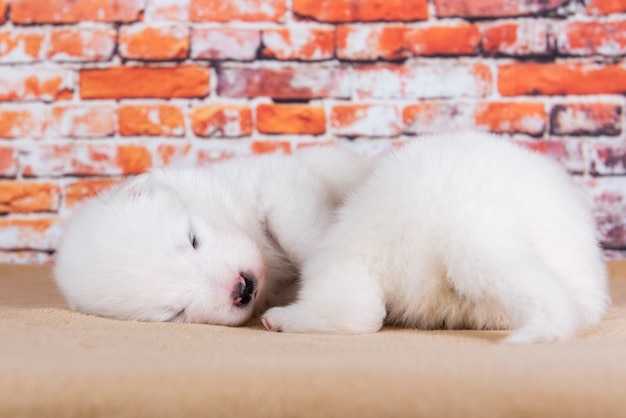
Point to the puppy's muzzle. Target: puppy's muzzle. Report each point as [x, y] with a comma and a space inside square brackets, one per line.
[245, 289]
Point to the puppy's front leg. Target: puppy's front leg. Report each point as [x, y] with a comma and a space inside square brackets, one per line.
[334, 299]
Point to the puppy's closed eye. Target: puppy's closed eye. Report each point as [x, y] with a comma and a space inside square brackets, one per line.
[193, 239]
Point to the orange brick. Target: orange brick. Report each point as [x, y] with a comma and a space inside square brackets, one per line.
[81, 190]
[8, 162]
[30, 233]
[229, 10]
[586, 119]
[83, 44]
[23, 121]
[561, 79]
[169, 153]
[438, 116]
[32, 83]
[603, 7]
[133, 159]
[290, 119]
[83, 121]
[72, 11]
[521, 38]
[154, 119]
[512, 117]
[4, 8]
[500, 36]
[293, 82]
[225, 43]
[20, 45]
[136, 82]
[265, 147]
[172, 10]
[221, 120]
[494, 8]
[371, 42]
[85, 159]
[366, 120]
[458, 39]
[23, 196]
[591, 38]
[361, 10]
[163, 42]
[299, 42]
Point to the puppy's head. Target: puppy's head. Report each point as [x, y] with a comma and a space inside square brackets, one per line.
[139, 252]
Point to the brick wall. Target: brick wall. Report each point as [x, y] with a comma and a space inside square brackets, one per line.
[93, 90]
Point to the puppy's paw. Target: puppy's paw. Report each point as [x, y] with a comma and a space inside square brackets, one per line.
[536, 334]
[301, 318]
[280, 319]
[295, 318]
[271, 320]
[549, 325]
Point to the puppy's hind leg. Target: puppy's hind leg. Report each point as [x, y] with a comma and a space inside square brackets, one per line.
[539, 306]
[336, 298]
[506, 268]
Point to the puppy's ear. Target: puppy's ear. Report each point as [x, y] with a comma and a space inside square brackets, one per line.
[137, 186]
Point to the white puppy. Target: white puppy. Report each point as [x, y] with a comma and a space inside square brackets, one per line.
[195, 245]
[456, 231]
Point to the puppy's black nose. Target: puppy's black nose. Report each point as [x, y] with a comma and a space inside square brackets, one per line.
[244, 290]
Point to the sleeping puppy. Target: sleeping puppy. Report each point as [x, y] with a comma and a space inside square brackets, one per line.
[456, 231]
[206, 245]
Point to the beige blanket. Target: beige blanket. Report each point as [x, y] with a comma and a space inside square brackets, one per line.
[57, 363]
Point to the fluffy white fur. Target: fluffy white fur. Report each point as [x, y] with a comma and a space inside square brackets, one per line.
[189, 245]
[456, 231]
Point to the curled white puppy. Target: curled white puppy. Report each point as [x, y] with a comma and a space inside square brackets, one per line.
[456, 231]
[206, 245]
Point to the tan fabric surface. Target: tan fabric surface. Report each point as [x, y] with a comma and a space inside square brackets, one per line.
[57, 363]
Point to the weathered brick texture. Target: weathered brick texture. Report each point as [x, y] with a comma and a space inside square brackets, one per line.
[363, 120]
[299, 43]
[36, 83]
[21, 45]
[592, 38]
[25, 12]
[221, 121]
[150, 120]
[92, 91]
[422, 80]
[290, 119]
[81, 44]
[527, 37]
[361, 10]
[494, 8]
[80, 190]
[512, 117]
[285, 82]
[237, 10]
[239, 44]
[20, 196]
[154, 43]
[603, 7]
[84, 120]
[592, 119]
